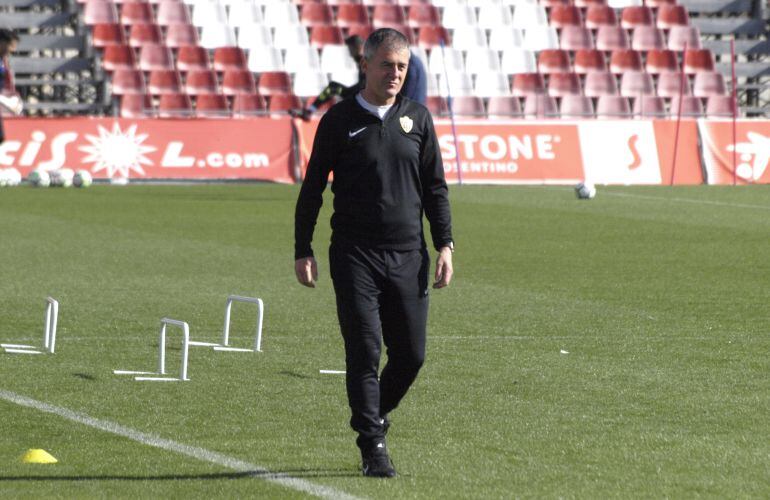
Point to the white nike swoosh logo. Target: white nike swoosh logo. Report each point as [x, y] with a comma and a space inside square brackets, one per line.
[356, 132]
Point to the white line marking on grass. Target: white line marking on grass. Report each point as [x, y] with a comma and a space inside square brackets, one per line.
[183, 449]
[688, 200]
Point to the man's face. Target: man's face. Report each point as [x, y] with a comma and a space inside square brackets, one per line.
[385, 74]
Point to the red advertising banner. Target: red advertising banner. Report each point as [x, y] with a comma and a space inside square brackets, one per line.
[560, 152]
[743, 160]
[248, 149]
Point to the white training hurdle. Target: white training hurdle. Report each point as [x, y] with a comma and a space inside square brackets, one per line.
[154, 376]
[224, 346]
[49, 338]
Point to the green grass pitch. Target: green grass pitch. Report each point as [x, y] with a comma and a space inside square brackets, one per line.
[658, 297]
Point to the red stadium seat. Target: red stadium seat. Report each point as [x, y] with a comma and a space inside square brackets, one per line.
[201, 81]
[387, 16]
[433, 36]
[721, 106]
[709, 83]
[586, 4]
[136, 13]
[600, 15]
[565, 15]
[525, 84]
[249, 105]
[646, 38]
[576, 38]
[672, 15]
[192, 57]
[503, 107]
[540, 106]
[326, 35]
[136, 106]
[561, 84]
[625, 60]
[437, 105]
[173, 12]
[589, 60]
[610, 38]
[636, 15]
[362, 30]
[350, 14]
[128, 81]
[164, 81]
[237, 81]
[145, 34]
[661, 61]
[671, 84]
[100, 12]
[373, 3]
[108, 34]
[227, 58]
[211, 106]
[175, 106]
[613, 107]
[423, 15]
[553, 61]
[576, 106]
[152, 57]
[467, 106]
[649, 106]
[316, 14]
[118, 57]
[180, 35]
[654, 4]
[600, 83]
[697, 60]
[280, 104]
[274, 82]
[636, 83]
[691, 106]
[684, 37]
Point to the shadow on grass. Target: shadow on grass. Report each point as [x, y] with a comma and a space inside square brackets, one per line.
[194, 477]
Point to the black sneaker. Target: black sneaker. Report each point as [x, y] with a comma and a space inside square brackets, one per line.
[377, 463]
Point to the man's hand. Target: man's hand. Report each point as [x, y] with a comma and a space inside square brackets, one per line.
[306, 270]
[444, 269]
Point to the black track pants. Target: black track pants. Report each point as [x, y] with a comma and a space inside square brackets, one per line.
[382, 296]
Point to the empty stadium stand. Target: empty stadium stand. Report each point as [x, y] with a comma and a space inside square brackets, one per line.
[499, 58]
[54, 64]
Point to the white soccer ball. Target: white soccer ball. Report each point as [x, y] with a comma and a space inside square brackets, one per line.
[3, 178]
[82, 179]
[39, 178]
[12, 177]
[62, 177]
[585, 190]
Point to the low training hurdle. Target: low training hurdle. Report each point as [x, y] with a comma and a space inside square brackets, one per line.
[186, 343]
[49, 339]
[224, 346]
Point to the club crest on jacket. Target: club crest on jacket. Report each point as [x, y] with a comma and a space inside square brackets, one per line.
[406, 123]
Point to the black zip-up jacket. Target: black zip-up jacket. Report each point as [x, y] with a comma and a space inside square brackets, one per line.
[386, 174]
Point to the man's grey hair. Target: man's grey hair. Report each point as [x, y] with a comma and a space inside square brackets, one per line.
[389, 38]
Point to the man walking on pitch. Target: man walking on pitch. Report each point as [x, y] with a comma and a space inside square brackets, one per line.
[383, 151]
